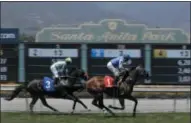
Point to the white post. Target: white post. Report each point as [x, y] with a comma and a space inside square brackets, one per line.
[187, 103]
[114, 102]
[26, 102]
[174, 105]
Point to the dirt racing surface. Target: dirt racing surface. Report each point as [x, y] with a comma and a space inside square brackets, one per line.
[144, 105]
[146, 112]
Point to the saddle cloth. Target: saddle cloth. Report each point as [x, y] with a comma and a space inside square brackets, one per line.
[48, 84]
[108, 81]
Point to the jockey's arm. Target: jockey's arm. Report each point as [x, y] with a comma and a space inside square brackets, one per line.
[121, 63]
[63, 67]
[129, 61]
[122, 68]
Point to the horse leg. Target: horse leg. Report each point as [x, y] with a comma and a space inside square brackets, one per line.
[135, 105]
[74, 105]
[76, 99]
[43, 100]
[98, 97]
[102, 106]
[34, 100]
[122, 103]
[94, 102]
[79, 101]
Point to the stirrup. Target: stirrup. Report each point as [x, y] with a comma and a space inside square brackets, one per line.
[114, 84]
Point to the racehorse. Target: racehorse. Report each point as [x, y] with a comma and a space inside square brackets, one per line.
[98, 85]
[39, 88]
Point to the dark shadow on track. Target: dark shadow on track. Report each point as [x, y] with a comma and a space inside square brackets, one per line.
[119, 116]
[85, 114]
[37, 113]
[64, 113]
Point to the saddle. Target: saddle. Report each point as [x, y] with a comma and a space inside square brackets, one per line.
[48, 84]
[64, 82]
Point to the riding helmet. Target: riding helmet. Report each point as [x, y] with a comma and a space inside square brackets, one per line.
[68, 60]
[126, 56]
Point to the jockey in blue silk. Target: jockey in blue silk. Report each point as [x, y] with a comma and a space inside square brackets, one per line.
[115, 65]
[59, 67]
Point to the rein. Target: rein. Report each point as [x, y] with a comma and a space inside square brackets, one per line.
[73, 76]
[69, 77]
[131, 76]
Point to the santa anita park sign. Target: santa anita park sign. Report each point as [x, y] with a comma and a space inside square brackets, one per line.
[112, 31]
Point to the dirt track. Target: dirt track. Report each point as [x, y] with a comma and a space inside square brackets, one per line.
[145, 105]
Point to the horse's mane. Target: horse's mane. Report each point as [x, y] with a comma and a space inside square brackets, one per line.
[72, 70]
[131, 73]
[132, 68]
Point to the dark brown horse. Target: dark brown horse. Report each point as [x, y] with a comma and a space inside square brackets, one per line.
[99, 85]
[36, 90]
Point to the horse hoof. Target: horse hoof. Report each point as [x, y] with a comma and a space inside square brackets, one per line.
[113, 115]
[105, 112]
[7, 99]
[110, 106]
[88, 110]
[72, 112]
[31, 112]
[57, 112]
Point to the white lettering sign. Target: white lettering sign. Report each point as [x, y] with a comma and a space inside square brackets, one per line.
[3, 69]
[40, 52]
[7, 35]
[109, 53]
[178, 54]
[3, 77]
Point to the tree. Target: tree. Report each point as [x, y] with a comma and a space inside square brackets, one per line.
[27, 38]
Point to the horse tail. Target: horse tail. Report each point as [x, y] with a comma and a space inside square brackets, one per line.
[17, 90]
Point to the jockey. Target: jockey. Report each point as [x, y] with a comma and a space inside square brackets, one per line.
[59, 67]
[115, 65]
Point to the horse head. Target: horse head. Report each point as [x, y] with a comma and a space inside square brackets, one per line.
[79, 73]
[141, 72]
[82, 74]
[137, 73]
[72, 69]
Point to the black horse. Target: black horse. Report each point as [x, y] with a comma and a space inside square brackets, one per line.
[125, 89]
[96, 87]
[36, 90]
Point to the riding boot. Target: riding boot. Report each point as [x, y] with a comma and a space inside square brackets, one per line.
[56, 83]
[125, 76]
[116, 80]
[59, 87]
